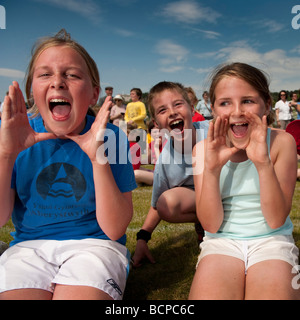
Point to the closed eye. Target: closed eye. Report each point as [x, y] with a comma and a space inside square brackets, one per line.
[44, 75]
[178, 103]
[161, 110]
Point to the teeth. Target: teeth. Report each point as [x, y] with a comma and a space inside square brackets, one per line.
[240, 124]
[176, 122]
[58, 101]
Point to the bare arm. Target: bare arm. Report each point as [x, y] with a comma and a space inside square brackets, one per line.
[211, 155]
[16, 135]
[7, 196]
[114, 209]
[277, 117]
[142, 251]
[277, 176]
[207, 192]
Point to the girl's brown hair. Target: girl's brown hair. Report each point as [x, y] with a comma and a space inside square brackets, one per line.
[255, 77]
[62, 38]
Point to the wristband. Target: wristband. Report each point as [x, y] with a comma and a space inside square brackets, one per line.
[143, 235]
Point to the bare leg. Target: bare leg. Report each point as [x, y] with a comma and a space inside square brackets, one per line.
[63, 292]
[271, 280]
[144, 176]
[26, 294]
[219, 277]
[177, 205]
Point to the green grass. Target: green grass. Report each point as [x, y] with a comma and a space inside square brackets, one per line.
[174, 248]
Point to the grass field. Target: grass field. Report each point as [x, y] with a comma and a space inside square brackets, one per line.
[174, 248]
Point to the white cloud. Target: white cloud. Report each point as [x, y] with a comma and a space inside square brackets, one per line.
[207, 33]
[174, 55]
[189, 12]
[282, 68]
[205, 55]
[12, 73]
[171, 69]
[270, 26]
[174, 52]
[203, 70]
[124, 33]
[296, 50]
[244, 54]
[86, 8]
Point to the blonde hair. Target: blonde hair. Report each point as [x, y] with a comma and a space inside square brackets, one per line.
[255, 77]
[62, 38]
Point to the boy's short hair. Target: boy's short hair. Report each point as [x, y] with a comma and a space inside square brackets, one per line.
[162, 86]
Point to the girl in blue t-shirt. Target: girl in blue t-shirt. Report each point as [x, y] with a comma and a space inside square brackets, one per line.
[244, 182]
[62, 183]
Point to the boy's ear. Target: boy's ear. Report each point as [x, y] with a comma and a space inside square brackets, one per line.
[193, 110]
[155, 123]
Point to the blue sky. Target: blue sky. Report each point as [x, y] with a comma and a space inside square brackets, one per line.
[137, 43]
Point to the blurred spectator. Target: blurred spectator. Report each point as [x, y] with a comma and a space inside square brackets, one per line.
[109, 93]
[118, 110]
[204, 107]
[136, 110]
[194, 100]
[296, 104]
[283, 110]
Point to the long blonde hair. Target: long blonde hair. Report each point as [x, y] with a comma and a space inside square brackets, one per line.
[62, 38]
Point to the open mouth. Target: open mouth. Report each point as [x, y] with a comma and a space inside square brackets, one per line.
[239, 129]
[177, 125]
[60, 109]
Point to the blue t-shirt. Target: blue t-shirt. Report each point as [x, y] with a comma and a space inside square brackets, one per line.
[55, 194]
[175, 169]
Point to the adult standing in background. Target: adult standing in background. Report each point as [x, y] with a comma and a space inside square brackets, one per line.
[283, 110]
[136, 110]
[204, 108]
[296, 104]
[117, 111]
[135, 115]
[109, 93]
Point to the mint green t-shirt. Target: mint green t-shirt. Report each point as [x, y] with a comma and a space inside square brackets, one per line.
[240, 192]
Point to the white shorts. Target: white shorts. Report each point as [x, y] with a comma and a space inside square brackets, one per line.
[40, 264]
[252, 251]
